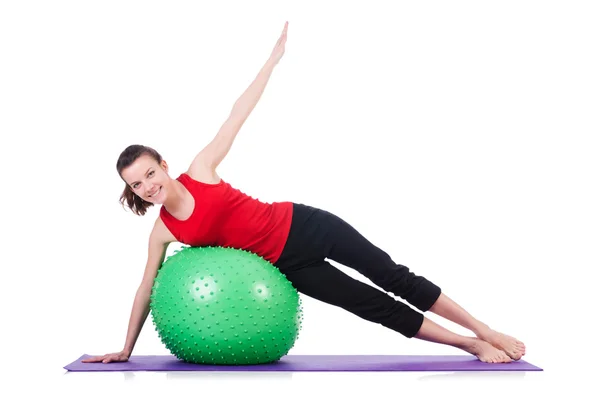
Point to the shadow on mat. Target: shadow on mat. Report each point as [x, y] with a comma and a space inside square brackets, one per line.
[212, 375]
[475, 375]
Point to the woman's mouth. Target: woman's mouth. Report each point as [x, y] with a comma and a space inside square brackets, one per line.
[154, 195]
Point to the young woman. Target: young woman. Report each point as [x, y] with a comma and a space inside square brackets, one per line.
[200, 209]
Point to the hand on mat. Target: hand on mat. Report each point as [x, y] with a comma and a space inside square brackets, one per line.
[279, 49]
[107, 358]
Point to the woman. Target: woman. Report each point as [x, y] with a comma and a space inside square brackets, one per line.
[200, 209]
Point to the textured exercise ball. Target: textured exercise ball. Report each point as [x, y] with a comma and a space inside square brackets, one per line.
[216, 305]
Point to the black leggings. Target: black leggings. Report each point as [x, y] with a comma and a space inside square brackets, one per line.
[316, 235]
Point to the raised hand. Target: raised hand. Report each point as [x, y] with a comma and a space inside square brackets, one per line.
[279, 49]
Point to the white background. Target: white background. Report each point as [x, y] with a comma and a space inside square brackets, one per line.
[459, 136]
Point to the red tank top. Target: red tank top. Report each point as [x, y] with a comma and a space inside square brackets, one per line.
[226, 217]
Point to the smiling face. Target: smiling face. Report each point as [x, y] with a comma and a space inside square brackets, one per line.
[148, 179]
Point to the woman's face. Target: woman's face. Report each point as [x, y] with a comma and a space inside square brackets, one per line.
[148, 179]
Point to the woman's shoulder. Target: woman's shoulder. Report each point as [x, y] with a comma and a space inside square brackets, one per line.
[204, 175]
[161, 233]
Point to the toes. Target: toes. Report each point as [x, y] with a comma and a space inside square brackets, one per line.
[521, 352]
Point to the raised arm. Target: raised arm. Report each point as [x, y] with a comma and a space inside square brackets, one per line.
[216, 150]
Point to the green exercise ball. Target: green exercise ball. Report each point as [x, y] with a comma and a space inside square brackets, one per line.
[216, 305]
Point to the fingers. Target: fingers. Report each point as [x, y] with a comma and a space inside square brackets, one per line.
[94, 359]
[283, 37]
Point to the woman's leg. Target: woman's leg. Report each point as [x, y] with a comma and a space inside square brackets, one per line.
[344, 244]
[325, 235]
[326, 283]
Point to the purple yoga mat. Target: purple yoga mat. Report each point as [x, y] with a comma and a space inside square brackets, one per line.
[295, 363]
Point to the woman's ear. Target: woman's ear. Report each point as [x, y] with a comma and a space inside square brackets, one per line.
[164, 166]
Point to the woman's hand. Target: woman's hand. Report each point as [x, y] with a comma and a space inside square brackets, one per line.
[107, 358]
[279, 49]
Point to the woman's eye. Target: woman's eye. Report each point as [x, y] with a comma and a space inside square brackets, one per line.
[151, 172]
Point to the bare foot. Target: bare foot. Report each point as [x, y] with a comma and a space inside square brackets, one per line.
[511, 346]
[486, 352]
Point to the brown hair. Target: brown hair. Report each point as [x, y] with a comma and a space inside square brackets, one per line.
[126, 158]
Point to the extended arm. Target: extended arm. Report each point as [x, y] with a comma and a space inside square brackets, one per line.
[157, 247]
[216, 150]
